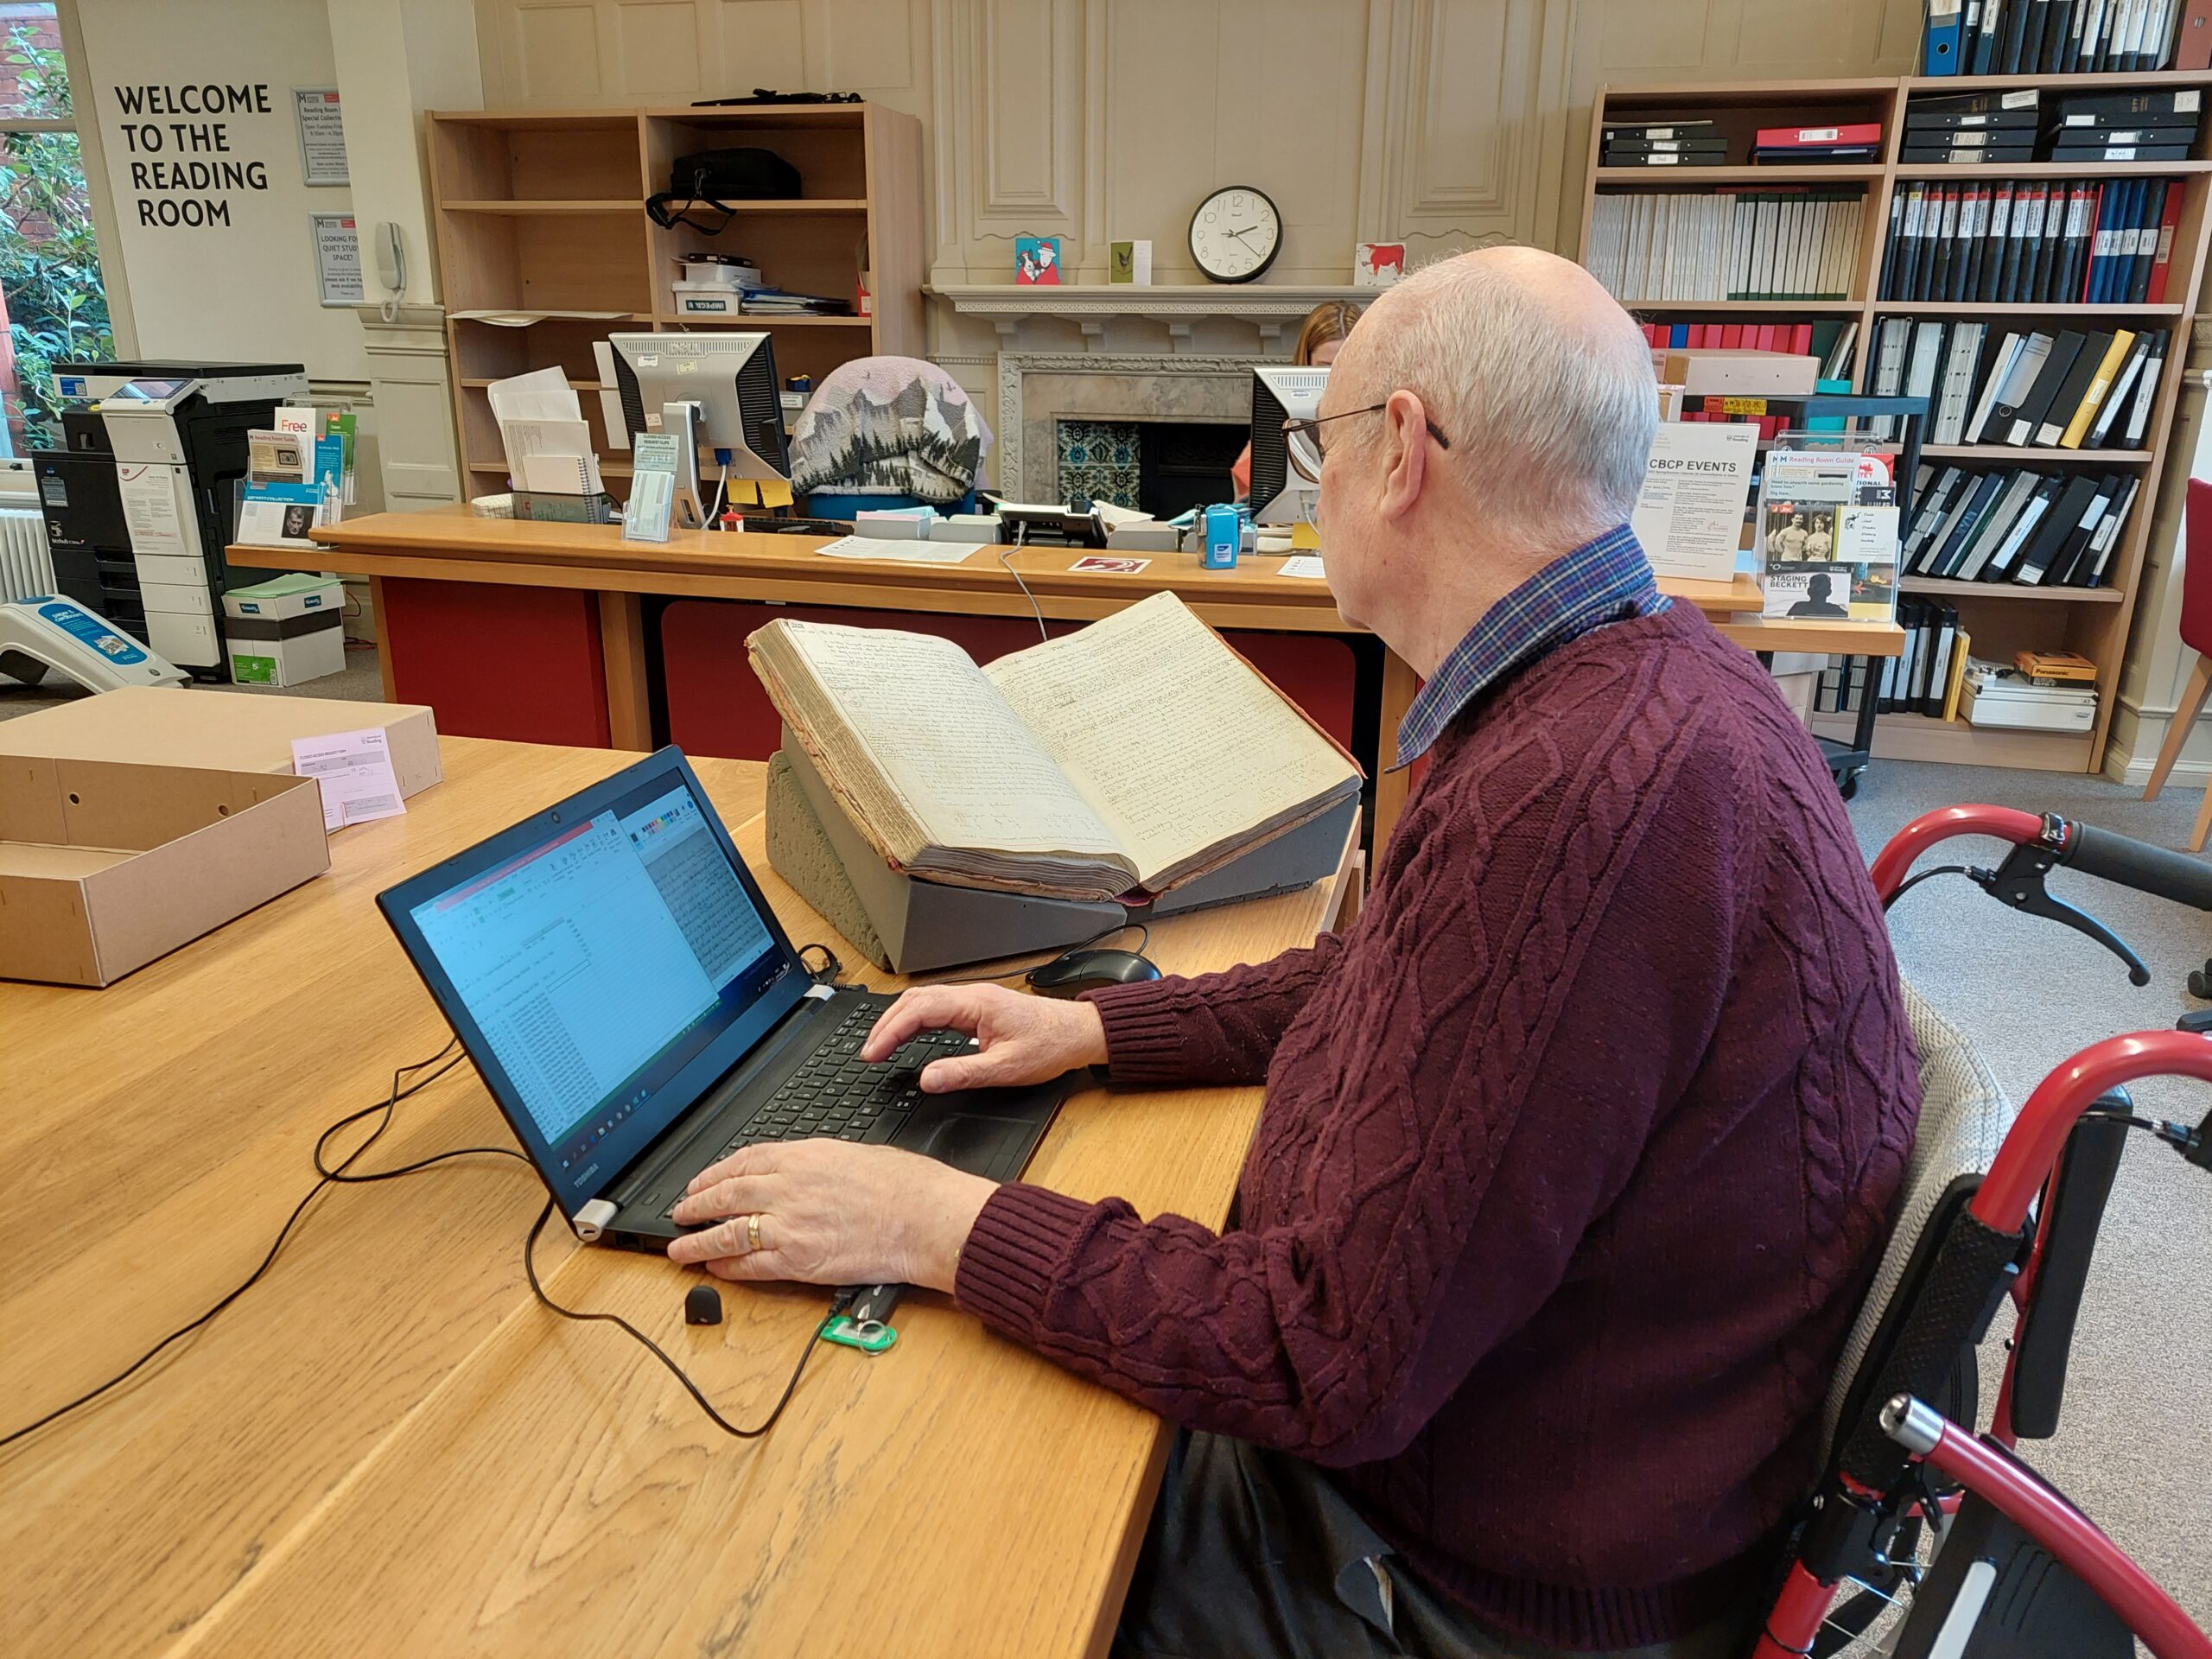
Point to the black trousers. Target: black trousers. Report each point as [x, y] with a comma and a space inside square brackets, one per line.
[1254, 1554]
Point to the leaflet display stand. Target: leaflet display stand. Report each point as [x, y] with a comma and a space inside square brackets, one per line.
[1847, 760]
[909, 926]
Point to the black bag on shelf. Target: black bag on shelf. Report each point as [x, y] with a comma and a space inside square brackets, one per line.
[700, 185]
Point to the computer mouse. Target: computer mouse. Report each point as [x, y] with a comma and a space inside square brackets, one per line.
[1086, 970]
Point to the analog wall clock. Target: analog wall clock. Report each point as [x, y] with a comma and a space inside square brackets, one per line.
[1235, 234]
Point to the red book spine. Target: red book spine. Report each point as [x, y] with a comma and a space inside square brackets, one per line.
[1800, 339]
[2096, 193]
[1859, 133]
[2162, 260]
[2193, 45]
[1732, 334]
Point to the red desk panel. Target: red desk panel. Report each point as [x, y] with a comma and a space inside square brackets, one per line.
[518, 662]
[715, 706]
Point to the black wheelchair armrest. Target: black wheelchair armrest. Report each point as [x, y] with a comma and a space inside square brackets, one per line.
[2074, 1211]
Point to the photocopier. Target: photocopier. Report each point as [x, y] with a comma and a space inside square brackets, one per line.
[142, 501]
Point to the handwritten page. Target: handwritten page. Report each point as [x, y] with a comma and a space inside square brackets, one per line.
[1191, 751]
[1302, 564]
[961, 767]
[354, 771]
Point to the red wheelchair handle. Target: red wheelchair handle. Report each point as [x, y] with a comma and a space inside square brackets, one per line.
[2033, 1143]
[2105, 853]
[2005, 822]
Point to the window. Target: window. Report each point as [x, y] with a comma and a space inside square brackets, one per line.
[51, 298]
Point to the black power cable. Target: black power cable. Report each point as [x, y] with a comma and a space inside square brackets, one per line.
[325, 1178]
[838, 1303]
[340, 1174]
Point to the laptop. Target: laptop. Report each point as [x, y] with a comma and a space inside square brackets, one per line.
[638, 1013]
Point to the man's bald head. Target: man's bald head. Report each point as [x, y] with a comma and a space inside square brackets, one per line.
[1539, 380]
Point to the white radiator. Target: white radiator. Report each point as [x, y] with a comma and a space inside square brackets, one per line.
[26, 566]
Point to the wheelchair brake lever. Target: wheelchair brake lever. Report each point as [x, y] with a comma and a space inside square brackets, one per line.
[2018, 882]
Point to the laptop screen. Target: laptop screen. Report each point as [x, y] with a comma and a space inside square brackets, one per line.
[618, 948]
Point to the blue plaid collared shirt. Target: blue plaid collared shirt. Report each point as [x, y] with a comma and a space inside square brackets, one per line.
[1608, 579]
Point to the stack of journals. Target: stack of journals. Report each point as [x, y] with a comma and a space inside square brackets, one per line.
[2017, 525]
[774, 303]
[1858, 141]
[1662, 144]
[1831, 343]
[1922, 679]
[1747, 243]
[2034, 242]
[2027, 37]
[1970, 127]
[2139, 126]
[2062, 389]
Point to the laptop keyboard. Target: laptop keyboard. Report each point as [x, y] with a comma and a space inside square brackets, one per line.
[836, 1095]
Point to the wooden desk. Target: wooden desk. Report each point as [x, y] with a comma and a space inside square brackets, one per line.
[454, 545]
[386, 1447]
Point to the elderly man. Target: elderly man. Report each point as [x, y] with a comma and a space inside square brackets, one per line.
[1577, 1149]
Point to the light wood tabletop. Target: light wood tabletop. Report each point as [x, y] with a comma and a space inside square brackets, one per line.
[386, 1446]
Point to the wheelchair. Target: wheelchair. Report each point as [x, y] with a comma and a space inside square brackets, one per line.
[1923, 1539]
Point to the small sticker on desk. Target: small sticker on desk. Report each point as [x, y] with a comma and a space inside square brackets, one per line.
[1112, 567]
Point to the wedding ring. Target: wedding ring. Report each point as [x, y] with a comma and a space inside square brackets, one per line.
[752, 1234]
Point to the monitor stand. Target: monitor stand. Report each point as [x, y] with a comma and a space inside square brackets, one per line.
[681, 421]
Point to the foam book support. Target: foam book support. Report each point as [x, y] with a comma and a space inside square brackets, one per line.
[909, 926]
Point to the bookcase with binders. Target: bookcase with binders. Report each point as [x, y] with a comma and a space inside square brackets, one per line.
[544, 245]
[2023, 249]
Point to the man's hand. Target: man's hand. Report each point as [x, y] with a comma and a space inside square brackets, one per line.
[831, 1213]
[1020, 1038]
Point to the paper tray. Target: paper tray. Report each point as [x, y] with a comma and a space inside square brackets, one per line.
[909, 926]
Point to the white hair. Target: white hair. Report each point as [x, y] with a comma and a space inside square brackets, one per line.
[1550, 405]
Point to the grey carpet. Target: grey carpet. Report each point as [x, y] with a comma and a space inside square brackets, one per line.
[360, 682]
[2134, 1446]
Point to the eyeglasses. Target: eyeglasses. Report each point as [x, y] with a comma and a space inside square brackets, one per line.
[1302, 439]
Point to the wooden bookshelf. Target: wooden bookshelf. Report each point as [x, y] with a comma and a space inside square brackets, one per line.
[2002, 617]
[540, 211]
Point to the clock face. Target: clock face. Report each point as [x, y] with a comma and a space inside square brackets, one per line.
[1235, 234]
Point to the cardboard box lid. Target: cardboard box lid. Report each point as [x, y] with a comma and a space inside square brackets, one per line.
[294, 595]
[220, 731]
[1710, 369]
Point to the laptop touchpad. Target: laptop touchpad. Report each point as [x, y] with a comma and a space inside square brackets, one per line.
[962, 1139]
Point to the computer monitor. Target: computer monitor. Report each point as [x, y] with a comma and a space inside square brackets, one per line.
[1279, 495]
[731, 376]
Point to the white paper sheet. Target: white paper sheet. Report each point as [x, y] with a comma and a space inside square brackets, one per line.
[150, 508]
[876, 547]
[539, 415]
[541, 395]
[1302, 564]
[1689, 515]
[354, 770]
[524, 319]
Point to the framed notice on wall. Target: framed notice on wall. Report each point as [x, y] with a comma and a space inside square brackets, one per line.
[322, 136]
[337, 259]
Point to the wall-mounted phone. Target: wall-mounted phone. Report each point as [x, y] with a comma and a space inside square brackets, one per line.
[391, 266]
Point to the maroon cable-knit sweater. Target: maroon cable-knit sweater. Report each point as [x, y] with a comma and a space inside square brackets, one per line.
[1575, 1159]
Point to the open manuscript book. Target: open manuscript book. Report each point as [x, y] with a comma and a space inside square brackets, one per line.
[1137, 753]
